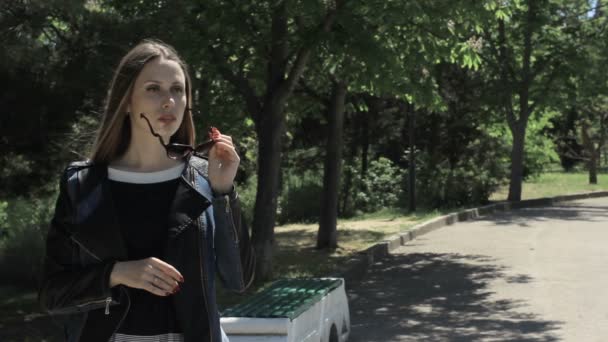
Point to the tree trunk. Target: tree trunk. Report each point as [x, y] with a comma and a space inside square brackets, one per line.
[374, 105]
[327, 234]
[364, 133]
[518, 125]
[271, 129]
[591, 151]
[412, 159]
[351, 156]
[517, 162]
[269, 116]
[593, 168]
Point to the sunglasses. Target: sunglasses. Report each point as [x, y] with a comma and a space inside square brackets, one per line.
[177, 151]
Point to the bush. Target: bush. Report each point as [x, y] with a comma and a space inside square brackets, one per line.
[470, 179]
[381, 187]
[300, 198]
[463, 184]
[22, 247]
[247, 193]
[541, 151]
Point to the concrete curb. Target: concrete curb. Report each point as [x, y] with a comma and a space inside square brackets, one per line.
[357, 267]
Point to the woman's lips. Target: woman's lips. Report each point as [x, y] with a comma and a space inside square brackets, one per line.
[166, 118]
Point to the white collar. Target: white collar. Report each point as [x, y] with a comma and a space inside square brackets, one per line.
[146, 177]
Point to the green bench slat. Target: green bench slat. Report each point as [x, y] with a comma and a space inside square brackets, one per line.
[284, 298]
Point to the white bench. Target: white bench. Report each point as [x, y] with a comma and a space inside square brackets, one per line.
[292, 310]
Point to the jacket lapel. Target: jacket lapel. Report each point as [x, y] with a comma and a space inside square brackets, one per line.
[96, 226]
[189, 201]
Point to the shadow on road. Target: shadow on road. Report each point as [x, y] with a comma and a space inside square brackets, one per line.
[440, 297]
[571, 212]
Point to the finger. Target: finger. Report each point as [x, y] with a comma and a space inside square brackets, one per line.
[157, 290]
[224, 139]
[223, 146]
[162, 281]
[224, 155]
[227, 137]
[167, 269]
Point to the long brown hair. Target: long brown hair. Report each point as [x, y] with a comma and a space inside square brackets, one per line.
[114, 133]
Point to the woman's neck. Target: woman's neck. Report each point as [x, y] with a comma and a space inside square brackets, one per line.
[144, 155]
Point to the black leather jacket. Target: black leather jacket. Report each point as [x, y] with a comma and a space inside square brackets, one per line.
[84, 242]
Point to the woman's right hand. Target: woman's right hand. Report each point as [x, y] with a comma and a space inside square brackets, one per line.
[150, 274]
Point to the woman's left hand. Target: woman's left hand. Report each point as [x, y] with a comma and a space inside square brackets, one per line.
[223, 164]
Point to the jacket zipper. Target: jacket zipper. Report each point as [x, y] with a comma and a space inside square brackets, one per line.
[79, 307]
[124, 315]
[108, 300]
[201, 255]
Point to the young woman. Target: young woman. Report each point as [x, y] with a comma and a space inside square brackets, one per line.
[142, 226]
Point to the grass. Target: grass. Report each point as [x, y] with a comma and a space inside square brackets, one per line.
[553, 184]
[295, 254]
[20, 319]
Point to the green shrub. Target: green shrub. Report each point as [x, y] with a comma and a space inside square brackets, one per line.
[469, 180]
[541, 150]
[381, 187]
[22, 248]
[300, 198]
[247, 193]
[463, 184]
[3, 219]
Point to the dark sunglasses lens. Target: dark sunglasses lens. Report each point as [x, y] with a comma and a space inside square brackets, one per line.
[177, 152]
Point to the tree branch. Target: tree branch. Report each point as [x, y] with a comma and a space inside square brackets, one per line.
[304, 52]
[504, 66]
[312, 93]
[241, 84]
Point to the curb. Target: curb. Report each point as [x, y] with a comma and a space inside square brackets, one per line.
[357, 267]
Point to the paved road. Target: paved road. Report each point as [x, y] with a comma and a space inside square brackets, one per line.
[537, 274]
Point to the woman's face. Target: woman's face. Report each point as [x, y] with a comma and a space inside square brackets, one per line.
[160, 93]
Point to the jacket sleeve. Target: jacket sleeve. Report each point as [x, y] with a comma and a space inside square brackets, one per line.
[66, 286]
[235, 257]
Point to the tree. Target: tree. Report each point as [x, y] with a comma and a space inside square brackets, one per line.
[528, 53]
[280, 38]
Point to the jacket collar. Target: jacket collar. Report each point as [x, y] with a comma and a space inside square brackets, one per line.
[96, 226]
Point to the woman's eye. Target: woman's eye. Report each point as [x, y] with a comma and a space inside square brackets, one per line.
[152, 88]
[178, 89]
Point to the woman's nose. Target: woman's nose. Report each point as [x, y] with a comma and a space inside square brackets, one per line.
[168, 102]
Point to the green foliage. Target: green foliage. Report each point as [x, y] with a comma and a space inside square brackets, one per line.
[540, 148]
[22, 249]
[381, 187]
[3, 219]
[466, 166]
[469, 181]
[300, 197]
[14, 171]
[247, 193]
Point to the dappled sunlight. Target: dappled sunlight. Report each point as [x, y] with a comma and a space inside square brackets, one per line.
[296, 253]
[441, 297]
[552, 184]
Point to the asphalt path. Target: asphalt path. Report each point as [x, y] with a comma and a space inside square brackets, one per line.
[536, 274]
